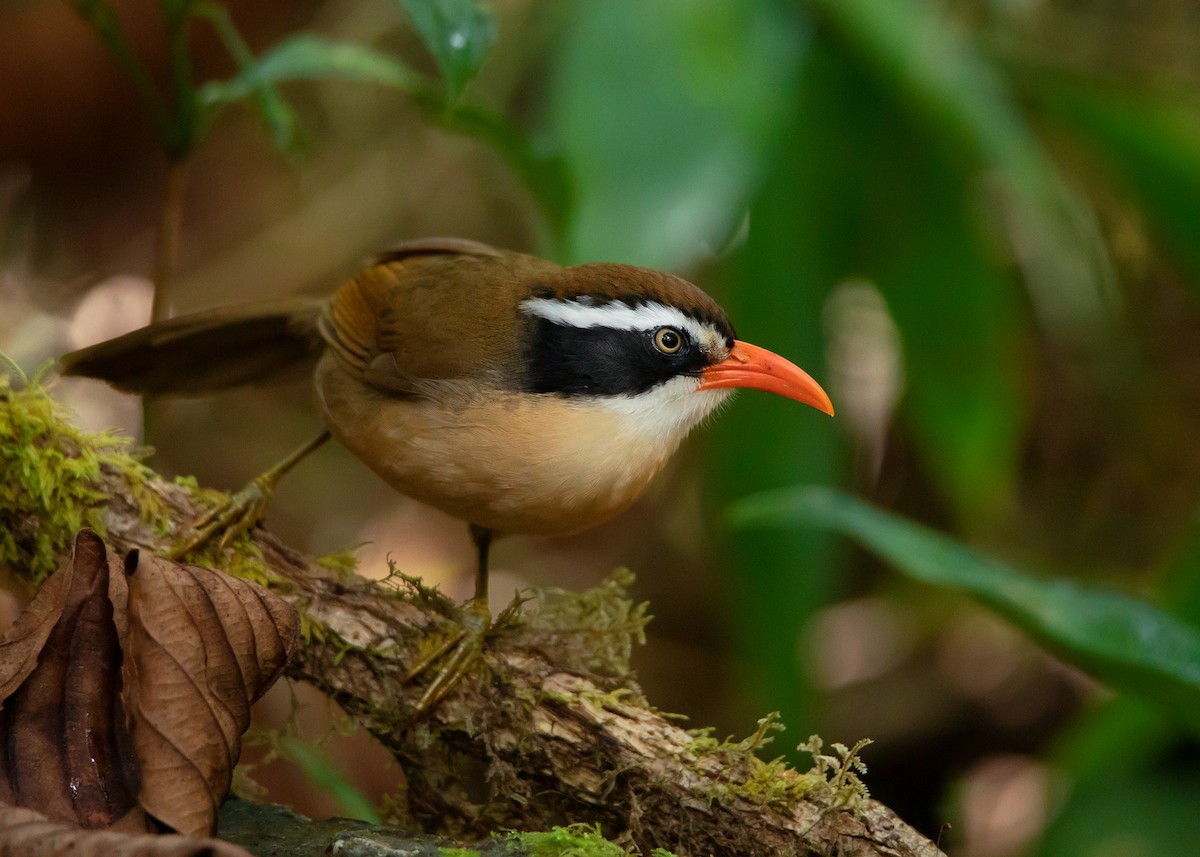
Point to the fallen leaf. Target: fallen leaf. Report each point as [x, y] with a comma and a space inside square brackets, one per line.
[202, 647]
[25, 833]
[124, 692]
[66, 752]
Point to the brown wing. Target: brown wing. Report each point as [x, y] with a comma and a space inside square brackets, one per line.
[436, 309]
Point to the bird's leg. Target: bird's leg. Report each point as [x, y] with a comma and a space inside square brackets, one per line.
[465, 646]
[244, 508]
[482, 537]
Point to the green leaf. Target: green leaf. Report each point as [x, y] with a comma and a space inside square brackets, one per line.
[276, 112]
[302, 57]
[1122, 735]
[309, 57]
[1124, 642]
[459, 34]
[542, 168]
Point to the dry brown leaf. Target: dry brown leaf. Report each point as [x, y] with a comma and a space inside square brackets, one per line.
[125, 689]
[25, 833]
[66, 752]
[201, 648]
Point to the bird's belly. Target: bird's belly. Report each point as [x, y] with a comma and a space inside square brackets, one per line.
[515, 464]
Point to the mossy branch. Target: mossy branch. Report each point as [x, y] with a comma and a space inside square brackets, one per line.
[551, 719]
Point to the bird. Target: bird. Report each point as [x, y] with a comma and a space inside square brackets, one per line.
[515, 394]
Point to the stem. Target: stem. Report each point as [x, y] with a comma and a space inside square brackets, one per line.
[183, 88]
[166, 257]
[166, 249]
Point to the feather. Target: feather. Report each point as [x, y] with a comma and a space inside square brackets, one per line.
[207, 351]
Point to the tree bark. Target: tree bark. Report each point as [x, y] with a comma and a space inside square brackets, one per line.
[547, 729]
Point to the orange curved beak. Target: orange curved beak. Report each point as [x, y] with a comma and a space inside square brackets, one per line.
[759, 369]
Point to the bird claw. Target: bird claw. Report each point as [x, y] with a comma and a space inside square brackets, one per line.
[242, 510]
[463, 648]
[237, 515]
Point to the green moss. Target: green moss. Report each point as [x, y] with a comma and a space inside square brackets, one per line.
[594, 630]
[839, 775]
[242, 558]
[342, 563]
[315, 632]
[577, 840]
[611, 700]
[770, 783]
[704, 743]
[834, 779]
[203, 497]
[311, 630]
[413, 589]
[49, 479]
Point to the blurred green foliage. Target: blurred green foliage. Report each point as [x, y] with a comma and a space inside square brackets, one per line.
[667, 136]
[1124, 642]
[1020, 188]
[458, 33]
[896, 144]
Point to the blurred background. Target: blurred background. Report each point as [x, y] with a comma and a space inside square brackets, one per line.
[976, 222]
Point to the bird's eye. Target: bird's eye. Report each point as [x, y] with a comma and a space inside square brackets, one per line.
[668, 340]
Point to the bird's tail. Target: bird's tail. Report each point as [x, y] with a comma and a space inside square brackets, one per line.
[207, 351]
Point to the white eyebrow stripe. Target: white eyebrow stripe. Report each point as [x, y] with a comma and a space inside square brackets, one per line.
[615, 314]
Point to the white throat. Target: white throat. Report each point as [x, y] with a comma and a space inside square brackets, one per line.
[665, 413]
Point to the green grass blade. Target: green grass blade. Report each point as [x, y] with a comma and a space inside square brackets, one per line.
[322, 772]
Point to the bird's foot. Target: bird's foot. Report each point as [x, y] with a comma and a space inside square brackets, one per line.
[242, 510]
[237, 515]
[461, 650]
